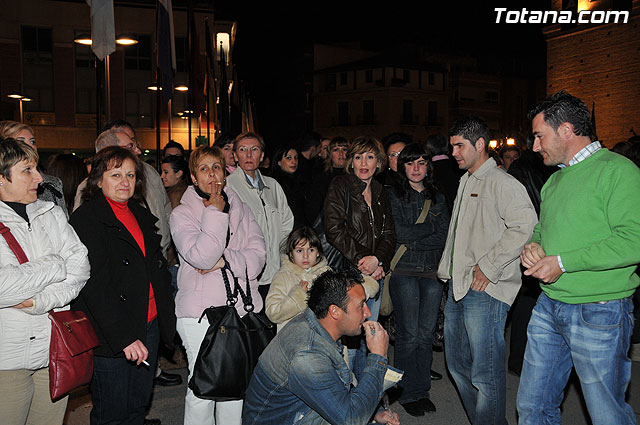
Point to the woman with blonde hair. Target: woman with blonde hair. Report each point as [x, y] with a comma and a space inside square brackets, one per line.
[51, 187]
[358, 220]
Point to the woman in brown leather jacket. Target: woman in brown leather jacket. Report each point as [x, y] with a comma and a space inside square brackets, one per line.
[365, 233]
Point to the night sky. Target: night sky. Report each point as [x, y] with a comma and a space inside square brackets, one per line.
[271, 37]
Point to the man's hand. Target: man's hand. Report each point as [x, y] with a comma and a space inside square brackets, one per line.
[480, 281]
[547, 269]
[377, 338]
[531, 254]
[24, 304]
[387, 417]
[136, 352]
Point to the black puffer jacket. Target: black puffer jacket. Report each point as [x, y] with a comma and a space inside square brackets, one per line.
[362, 233]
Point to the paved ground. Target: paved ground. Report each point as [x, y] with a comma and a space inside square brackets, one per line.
[168, 403]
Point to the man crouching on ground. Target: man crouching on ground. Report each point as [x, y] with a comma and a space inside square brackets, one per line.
[302, 377]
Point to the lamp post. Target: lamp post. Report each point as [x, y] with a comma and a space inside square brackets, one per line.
[123, 40]
[21, 98]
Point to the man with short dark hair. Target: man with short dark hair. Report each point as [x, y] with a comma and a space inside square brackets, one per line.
[445, 171]
[308, 147]
[585, 251]
[302, 378]
[492, 219]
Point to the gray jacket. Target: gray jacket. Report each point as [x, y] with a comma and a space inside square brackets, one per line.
[271, 210]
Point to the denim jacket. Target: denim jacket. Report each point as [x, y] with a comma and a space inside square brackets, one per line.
[424, 241]
[302, 378]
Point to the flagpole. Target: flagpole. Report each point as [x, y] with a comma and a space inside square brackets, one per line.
[190, 69]
[208, 106]
[158, 94]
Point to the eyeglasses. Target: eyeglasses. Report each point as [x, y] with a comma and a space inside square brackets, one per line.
[245, 149]
[394, 154]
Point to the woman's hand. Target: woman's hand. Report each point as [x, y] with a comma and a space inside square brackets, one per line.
[304, 285]
[378, 274]
[367, 265]
[25, 304]
[136, 352]
[218, 266]
[216, 198]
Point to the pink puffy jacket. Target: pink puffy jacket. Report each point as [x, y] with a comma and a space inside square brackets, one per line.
[199, 235]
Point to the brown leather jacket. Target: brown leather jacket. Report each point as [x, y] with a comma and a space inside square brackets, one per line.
[362, 233]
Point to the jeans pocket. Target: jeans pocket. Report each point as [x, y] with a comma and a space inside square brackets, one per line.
[601, 316]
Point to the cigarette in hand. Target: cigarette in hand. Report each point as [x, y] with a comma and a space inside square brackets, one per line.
[144, 362]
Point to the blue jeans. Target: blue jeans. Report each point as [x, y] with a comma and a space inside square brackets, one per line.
[475, 353]
[416, 301]
[120, 390]
[593, 338]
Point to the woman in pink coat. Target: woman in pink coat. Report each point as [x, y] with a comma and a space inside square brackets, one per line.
[212, 229]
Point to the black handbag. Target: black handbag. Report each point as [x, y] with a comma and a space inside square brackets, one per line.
[231, 347]
[335, 259]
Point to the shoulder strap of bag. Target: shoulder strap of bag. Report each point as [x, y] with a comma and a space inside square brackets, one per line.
[232, 297]
[13, 244]
[402, 248]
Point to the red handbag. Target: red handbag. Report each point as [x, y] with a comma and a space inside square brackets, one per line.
[72, 340]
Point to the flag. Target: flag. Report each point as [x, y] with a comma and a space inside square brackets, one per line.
[103, 34]
[246, 111]
[225, 119]
[166, 51]
[210, 81]
[196, 74]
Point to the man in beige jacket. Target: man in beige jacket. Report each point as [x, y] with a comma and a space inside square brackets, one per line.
[491, 221]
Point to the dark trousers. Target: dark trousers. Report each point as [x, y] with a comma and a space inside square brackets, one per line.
[120, 390]
[520, 315]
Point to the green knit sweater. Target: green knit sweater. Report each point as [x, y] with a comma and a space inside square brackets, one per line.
[590, 216]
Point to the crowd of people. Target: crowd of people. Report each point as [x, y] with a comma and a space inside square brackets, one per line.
[458, 237]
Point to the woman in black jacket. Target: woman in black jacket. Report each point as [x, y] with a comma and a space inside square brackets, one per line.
[365, 233]
[128, 296]
[362, 228]
[414, 287]
[284, 168]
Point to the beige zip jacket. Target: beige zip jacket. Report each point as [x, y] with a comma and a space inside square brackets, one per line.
[495, 218]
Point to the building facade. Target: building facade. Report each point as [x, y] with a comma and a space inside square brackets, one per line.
[600, 64]
[41, 61]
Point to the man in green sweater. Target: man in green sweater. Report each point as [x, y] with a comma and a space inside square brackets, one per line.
[584, 250]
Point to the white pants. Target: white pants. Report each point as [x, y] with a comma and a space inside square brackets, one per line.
[198, 411]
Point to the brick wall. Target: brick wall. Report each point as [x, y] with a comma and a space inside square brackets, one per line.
[600, 64]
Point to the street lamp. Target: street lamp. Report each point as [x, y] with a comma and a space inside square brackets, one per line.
[21, 98]
[123, 40]
[156, 87]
